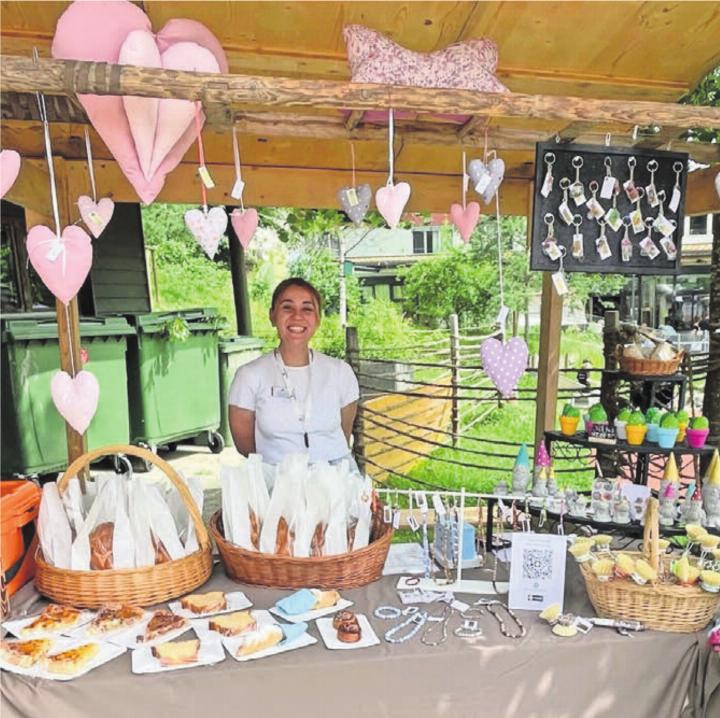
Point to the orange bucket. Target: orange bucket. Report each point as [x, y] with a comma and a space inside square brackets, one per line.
[19, 505]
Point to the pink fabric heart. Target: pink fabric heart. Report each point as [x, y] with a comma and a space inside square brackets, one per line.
[9, 170]
[96, 31]
[207, 228]
[63, 263]
[391, 201]
[504, 363]
[465, 219]
[96, 215]
[75, 398]
[244, 223]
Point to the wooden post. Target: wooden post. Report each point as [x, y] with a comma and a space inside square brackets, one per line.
[352, 355]
[549, 358]
[711, 401]
[608, 386]
[455, 377]
[238, 273]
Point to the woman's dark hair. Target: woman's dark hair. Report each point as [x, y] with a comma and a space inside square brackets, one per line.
[295, 282]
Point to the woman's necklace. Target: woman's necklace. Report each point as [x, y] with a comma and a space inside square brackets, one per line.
[304, 413]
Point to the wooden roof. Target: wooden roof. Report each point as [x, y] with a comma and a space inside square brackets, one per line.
[299, 155]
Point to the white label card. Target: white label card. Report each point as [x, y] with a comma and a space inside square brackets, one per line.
[56, 249]
[668, 247]
[352, 197]
[649, 248]
[675, 200]
[664, 226]
[537, 571]
[631, 190]
[237, 190]
[396, 519]
[205, 177]
[502, 315]
[547, 185]
[626, 250]
[412, 523]
[483, 182]
[438, 505]
[560, 283]
[466, 182]
[608, 187]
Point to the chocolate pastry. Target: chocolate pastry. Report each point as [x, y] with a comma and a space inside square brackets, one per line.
[343, 617]
[101, 542]
[349, 631]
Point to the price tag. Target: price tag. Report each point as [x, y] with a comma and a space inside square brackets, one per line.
[565, 213]
[412, 523]
[560, 283]
[205, 177]
[547, 185]
[578, 250]
[502, 315]
[56, 249]
[603, 248]
[438, 505]
[483, 182]
[675, 200]
[466, 182]
[396, 519]
[608, 187]
[352, 197]
[421, 501]
[237, 190]
[613, 218]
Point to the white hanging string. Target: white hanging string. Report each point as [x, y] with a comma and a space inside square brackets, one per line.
[236, 158]
[88, 152]
[464, 180]
[352, 155]
[391, 145]
[499, 248]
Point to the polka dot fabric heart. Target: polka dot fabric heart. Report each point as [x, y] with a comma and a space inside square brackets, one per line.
[504, 363]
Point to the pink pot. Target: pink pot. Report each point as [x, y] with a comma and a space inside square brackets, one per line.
[696, 438]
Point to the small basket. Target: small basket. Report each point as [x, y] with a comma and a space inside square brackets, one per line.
[348, 570]
[661, 606]
[648, 367]
[137, 586]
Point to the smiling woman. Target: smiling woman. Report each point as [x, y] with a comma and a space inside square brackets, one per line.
[294, 399]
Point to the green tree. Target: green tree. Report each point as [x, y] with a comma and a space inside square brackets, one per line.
[320, 268]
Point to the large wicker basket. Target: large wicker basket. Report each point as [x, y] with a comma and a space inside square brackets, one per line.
[660, 606]
[349, 570]
[648, 367]
[137, 586]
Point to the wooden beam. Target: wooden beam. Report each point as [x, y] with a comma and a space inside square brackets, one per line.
[32, 187]
[574, 130]
[702, 196]
[67, 77]
[471, 126]
[353, 119]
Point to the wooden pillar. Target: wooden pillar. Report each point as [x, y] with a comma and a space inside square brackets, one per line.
[611, 339]
[711, 401]
[238, 272]
[455, 381]
[549, 358]
[352, 356]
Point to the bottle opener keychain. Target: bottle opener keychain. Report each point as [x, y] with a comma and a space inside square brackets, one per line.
[558, 278]
[547, 184]
[578, 248]
[648, 248]
[577, 191]
[676, 195]
[626, 248]
[631, 190]
[651, 190]
[609, 184]
[613, 216]
[638, 223]
[595, 208]
[662, 224]
[601, 243]
[550, 246]
[564, 208]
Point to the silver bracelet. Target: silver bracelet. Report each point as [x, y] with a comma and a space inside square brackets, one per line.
[386, 612]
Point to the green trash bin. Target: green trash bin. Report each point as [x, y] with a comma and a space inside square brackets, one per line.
[173, 383]
[233, 353]
[33, 432]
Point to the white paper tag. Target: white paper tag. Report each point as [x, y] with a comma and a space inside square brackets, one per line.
[483, 182]
[504, 510]
[412, 523]
[421, 501]
[614, 219]
[502, 315]
[578, 250]
[55, 250]
[603, 248]
[608, 187]
[631, 190]
[675, 200]
[565, 212]
[547, 185]
[649, 248]
[438, 505]
[664, 226]
[396, 519]
[95, 218]
[551, 249]
[237, 190]
[668, 247]
[577, 192]
[652, 195]
[626, 250]
[560, 283]
[205, 177]
[596, 209]
[352, 197]
[466, 182]
[459, 605]
[638, 224]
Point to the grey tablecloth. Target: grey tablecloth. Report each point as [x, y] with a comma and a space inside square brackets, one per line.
[653, 675]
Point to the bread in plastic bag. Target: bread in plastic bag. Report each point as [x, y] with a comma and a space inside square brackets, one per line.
[55, 533]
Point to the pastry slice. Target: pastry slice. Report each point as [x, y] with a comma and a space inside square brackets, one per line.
[160, 623]
[266, 637]
[73, 660]
[113, 618]
[53, 619]
[325, 599]
[205, 602]
[233, 624]
[177, 653]
[24, 653]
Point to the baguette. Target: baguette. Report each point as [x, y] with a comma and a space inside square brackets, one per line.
[73, 660]
[177, 653]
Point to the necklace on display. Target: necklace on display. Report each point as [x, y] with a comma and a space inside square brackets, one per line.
[441, 622]
[302, 415]
[416, 621]
[492, 608]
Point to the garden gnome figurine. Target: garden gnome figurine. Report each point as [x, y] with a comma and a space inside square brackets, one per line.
[539, 490]
[670, 475]
[667, 506]
[542, 460]
[521, 471]
[693, 512]
[551, 483]
[621, 515]
[601, 510]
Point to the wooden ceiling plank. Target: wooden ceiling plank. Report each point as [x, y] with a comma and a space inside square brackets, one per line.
[354, 119]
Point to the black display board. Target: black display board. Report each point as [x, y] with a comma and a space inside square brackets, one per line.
[594, 167]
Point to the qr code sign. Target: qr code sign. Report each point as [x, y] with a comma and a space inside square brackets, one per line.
[537, 563]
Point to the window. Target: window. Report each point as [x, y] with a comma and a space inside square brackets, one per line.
[423, 241]
[698, 224]
[396, 292]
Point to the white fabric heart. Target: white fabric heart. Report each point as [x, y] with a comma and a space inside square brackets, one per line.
[76, 398]
[96, 215]
[207, 227]
[391, 200]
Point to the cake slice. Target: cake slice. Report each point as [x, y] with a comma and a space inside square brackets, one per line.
[53, 619]
[205, 602]
[73, 660]
[266, 637]
[233, 624]
[24, 653]
[162, 622]
[113, 618]
[177, 653]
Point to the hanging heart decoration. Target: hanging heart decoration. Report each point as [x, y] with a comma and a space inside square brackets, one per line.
[207, 226]
[486, 177]
[147, 137]
[9, 170]
[96, 215]
[75, 398]
[391, 200]
[355, 202]
[244, 223]
[64, 262]
[465, 219]
[504, 363]
[717, 184]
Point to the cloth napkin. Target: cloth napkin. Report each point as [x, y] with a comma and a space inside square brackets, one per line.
[298, 602]
[292, 631]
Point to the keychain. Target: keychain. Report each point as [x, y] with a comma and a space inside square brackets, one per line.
[613, 216]
[650, 190]
[550, 246]
[564, 207]
[596, 209]
[609, 184]
[629, 186]
[675, 199]
[638, 223]
[577, 191]
[626, 248]
[662, 224]
[558, 278]
[548, 181]
[648, 248]
[578, 249]
[601, 243]
[669, 246]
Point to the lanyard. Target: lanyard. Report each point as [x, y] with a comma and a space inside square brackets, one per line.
[303, 415]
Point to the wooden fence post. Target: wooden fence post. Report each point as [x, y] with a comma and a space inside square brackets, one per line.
[711, 401]
[455, 376]
[352, 355]
[608, 385]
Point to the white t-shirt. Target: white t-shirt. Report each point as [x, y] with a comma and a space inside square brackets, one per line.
[328, 384]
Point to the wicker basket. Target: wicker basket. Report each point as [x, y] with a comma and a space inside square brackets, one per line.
[660, 606]
[648, 367]
[349, 570]
[137, 586]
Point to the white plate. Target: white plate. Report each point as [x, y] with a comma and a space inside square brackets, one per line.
[108, 652]
[210, 652]
[81, 633]
[236, 601]
[201, 626]
[329, 634]
[311, 615]
[129, 637]
[15, 627]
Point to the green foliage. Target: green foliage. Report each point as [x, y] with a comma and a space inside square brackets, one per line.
[637, 418]
[706, 93]
[669, 421]
[700, 422]
[176, 329]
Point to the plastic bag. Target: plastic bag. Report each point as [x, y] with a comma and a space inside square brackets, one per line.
[363, 510]
[166, 541]
[72, 500]
[183, 521]
[140, 524]
[55, 532]
[336, 535]
[311, 534]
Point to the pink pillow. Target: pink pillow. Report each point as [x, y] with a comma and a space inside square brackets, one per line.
[466, 65]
